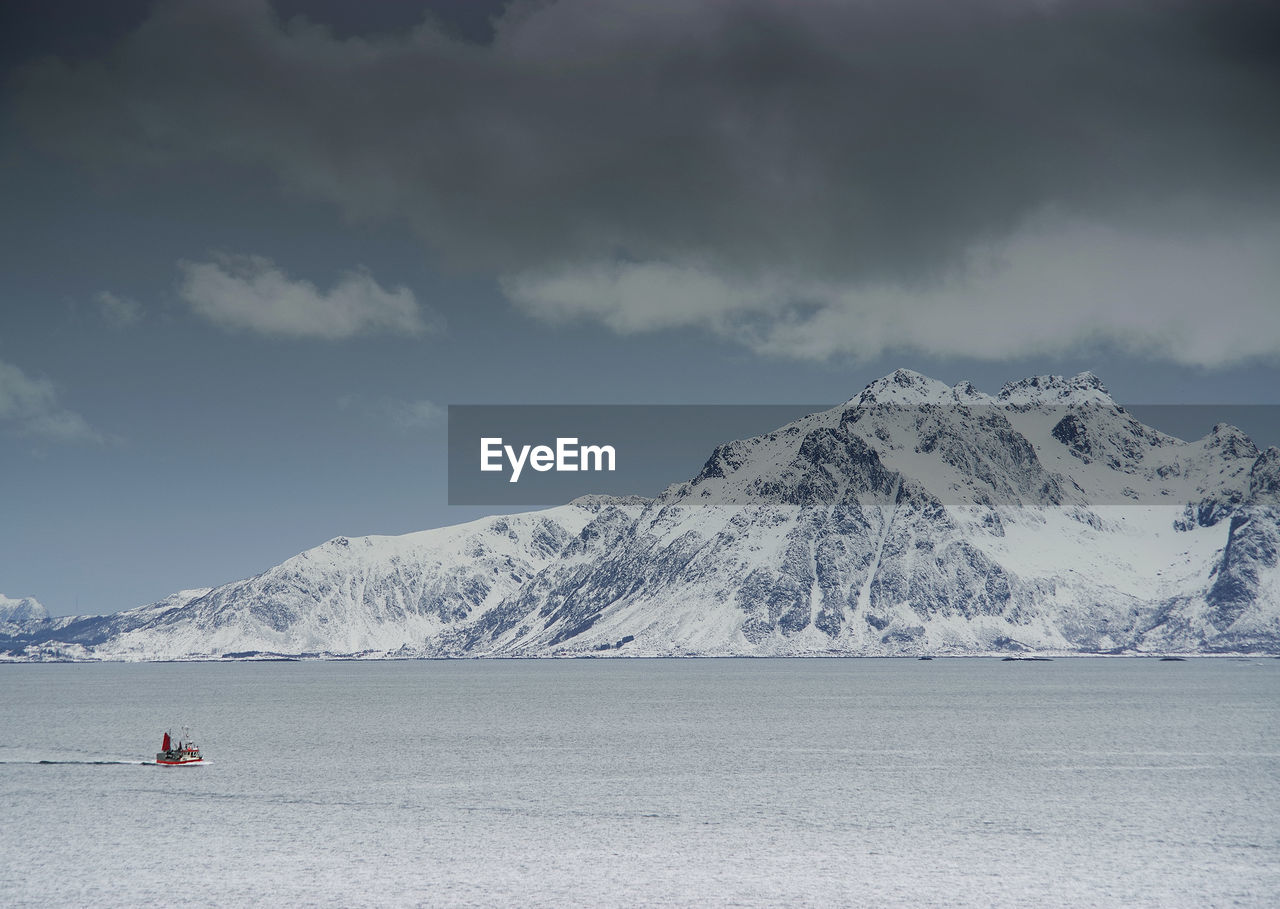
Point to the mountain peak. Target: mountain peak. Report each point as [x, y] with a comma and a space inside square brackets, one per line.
[1081, 388]
[904, 386]
[22, 614]
[1231, 441]
[908, 387]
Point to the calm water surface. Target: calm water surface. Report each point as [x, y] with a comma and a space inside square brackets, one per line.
[646, 782]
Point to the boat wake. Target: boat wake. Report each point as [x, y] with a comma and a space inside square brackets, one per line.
[84, 763]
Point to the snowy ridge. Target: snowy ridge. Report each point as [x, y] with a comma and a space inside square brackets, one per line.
[915, 518]
[21, 615]
[374, 595]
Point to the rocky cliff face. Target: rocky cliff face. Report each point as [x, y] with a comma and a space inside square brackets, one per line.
[916, 517]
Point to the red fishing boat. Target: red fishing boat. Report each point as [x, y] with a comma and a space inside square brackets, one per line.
[183, 752]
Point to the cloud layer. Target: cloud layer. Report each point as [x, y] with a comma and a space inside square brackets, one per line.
[253, 294]
[1053, 288]
[812, 177]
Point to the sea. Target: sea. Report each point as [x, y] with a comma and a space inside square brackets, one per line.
[638, 782]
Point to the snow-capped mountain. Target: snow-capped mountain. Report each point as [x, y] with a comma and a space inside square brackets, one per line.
[916, 517]
[20, 616]
[378, 594]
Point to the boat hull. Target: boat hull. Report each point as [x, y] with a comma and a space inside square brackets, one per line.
[167, 761]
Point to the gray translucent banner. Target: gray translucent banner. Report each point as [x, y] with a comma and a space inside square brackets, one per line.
[533, 455]
[655, 445]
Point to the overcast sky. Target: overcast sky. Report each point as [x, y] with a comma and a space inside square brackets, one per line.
[249, 251]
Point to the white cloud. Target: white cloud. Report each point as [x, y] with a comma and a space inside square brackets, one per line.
[404, 415]
[1055, 287]
[118, 310]
[30, 406]
[253, 294]
[413, 414]
[641, 296]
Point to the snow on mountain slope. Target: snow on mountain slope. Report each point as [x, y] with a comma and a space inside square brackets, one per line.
[80, 637]
[922, 518]
[356, 595]
[916, 517]
[22, 615]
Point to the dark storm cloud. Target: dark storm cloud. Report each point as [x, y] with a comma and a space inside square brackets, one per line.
[765, 165]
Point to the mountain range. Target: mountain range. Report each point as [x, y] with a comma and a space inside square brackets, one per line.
[915, 518]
